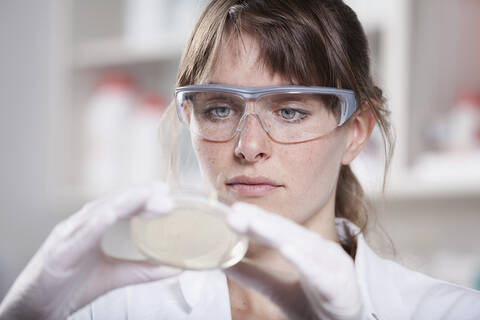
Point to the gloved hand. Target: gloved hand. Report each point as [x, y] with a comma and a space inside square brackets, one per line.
[326, 288]
[70, 270]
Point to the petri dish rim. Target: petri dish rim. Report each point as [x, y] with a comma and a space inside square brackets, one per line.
[199, 202]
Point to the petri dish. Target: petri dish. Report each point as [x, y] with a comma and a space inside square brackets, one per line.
[193, 236]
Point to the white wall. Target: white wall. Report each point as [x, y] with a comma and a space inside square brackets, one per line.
[24, 220]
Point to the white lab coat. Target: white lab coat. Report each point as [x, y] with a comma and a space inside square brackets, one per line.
[389, 290]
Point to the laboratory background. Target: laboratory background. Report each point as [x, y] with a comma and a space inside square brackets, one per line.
[83, 84]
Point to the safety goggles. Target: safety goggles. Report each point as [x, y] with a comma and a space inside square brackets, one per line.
[288, 114]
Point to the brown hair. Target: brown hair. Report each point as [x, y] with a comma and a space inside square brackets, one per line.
[309, 42]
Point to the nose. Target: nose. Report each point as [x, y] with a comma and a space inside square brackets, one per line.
[253, 144]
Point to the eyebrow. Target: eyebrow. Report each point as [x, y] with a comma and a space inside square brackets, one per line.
[290, 83]
[221, 83]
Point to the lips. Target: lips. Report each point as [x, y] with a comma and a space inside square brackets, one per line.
[252, 186]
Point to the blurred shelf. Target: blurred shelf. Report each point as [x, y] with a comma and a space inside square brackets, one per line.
[412, 186]
[114, 52]
[440, 175]
[434, 176]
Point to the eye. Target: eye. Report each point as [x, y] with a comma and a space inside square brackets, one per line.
[219, 112]
[291, 114]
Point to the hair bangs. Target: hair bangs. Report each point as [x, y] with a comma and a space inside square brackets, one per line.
[286, 48]
[291, 45]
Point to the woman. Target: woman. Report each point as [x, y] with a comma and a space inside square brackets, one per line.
[279, 100]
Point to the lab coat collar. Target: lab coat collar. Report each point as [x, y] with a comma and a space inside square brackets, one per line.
[193, 285]
[372, 278]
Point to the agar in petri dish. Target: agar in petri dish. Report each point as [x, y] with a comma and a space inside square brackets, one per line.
[193, 236]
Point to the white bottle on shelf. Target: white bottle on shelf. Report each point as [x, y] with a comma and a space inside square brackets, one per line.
[106, 120]
[464, 123]
[144, 155]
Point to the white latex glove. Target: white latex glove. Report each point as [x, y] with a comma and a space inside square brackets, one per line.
[327, 287]
[70, 270]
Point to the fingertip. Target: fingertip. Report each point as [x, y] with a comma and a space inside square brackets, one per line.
[238, 222]
[159, 200]
[159, 204]
[243, 206]
[127, 201]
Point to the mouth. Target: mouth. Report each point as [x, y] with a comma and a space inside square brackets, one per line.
[252, 186]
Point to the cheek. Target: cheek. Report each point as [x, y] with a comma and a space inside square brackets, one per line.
[316, 156]
[211, 157]
[314, 169]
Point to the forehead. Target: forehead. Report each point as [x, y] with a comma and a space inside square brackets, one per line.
[239, 63]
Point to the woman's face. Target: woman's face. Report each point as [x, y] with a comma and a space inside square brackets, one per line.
[297, 180]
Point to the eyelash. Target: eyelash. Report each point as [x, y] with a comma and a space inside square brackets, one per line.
[303, 114]
[208, 113]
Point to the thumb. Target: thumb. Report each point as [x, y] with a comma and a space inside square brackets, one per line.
[126, 272]
[115, 273]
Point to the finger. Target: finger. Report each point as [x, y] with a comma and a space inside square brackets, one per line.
[159, 202]
[327, 273]
[148, 200]
[311, 255]
[83, 231]
[267, 228]
[115, 273]
[126, 272]
[134, 196]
